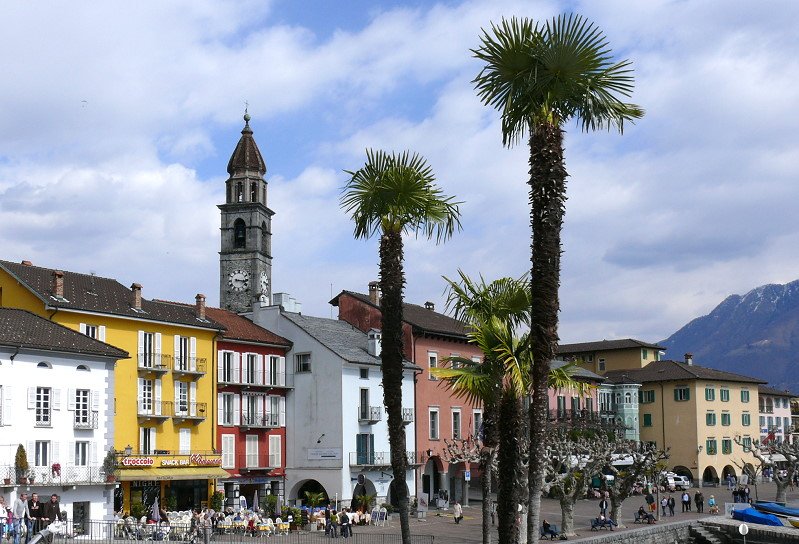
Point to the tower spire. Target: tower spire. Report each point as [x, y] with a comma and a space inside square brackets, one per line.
[246, 157]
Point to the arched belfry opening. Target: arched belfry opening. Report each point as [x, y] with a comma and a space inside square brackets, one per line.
[239, 234]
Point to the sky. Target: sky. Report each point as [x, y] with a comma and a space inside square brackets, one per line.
[117, 120]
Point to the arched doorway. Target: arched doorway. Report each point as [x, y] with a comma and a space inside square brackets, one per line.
[680, 470]
[749, 470]
[728, 470]
[431, 478]
[710, 476]
[311, 486]
[364, 487]
[455, 480]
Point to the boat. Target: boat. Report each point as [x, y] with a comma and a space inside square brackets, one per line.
[794, 522]
[777, 509]
[751, 515]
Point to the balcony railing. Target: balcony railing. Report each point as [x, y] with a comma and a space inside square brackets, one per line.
[407, 415]
[269, 380]
[157, 363]
[189, 365]
[44, 418]
[85, 420]
[370, 414]
[189, 410]
[380, 458]
[68, 475]
[156, 409]
[257, 461]
[260, 421]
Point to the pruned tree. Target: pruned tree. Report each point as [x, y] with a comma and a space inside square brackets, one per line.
[573, 457]
[644, 460]
[765, 453]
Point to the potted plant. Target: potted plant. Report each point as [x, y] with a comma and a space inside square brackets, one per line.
[389, 509]
[56, 470]
[217, 501]
[313, 500]
[111, 465]
[171, 502]
[21, 465]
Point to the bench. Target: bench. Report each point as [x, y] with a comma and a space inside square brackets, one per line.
[597, 524]
[553, 532]
[639, 518]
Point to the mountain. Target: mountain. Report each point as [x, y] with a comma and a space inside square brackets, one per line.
[756, 334]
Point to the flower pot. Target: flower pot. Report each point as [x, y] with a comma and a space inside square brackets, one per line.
[22, 480]
[7, 481]
[110, 478]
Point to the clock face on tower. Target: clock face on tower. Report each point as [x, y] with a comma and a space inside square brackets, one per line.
[238, 280]
[264, 282]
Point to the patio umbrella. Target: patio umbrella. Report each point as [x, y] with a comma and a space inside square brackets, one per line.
[255, 505]
[156, 511]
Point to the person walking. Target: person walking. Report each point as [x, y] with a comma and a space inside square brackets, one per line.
[21, 517]
[699, 500]
[457, 512]
[686, 502]
[672, 504]
[650, 502]
[664, 503]
[344, 523]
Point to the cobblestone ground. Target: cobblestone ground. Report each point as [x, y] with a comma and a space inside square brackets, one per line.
[443, 527]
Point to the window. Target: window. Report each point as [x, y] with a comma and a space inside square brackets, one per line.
[575, 404]
[365, 448]
[786, 422]
[81, 453]
[432, 362]
[147, 438]
[251, 368]
[682, 394]
[43, 413]
[456, 424]
[628, 398]
[273, 411]
[762, 421]
[478, 423]
[363, 411]
[710, 394]
[145, 396]
[82, 408]
[561, 406]
[181, 398]
[601, 365]
[239, 231]
[454, 363]
[646, 397]
[251, 450]
[725, 419]
[302, 362]
[744, 395]
[147, 349]
[277, 370]
[364, 373]
[725, 394]
[275, 452]
[711, 446]
[589, 405]
[746, 419]
[647, 420]
[228, 450]
[710, 419]
[184, 441]
[747, 443]
[228, 375]
[227, 409]
[250, 413]
[644, 354]
[434, 431]
[589, 358]
[182, 353]
[770, 421]
[726, 446]
[91, 331]
[42, 454]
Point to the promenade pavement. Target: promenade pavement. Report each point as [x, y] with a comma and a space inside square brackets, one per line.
[442, 525]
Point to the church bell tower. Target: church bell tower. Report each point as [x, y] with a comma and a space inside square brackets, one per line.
[245, 260]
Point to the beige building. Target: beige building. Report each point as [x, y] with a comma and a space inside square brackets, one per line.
[608, 355]
[696, 413]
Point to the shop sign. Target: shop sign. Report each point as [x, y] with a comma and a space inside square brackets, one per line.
[137, 461]
[197, 459]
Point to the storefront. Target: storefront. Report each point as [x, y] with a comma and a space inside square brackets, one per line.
[178, 481]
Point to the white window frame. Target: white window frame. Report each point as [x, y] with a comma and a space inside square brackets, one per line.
[81, 453]
[275, 451]
[228, 451]
[457, 430]
[303, 362]
[228, 416]
[477, 414]
[42, 455]
[432, 362]
[251, 450]
[437, 434]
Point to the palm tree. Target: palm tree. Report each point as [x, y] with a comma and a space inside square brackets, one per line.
[540, 76]
[394, 194]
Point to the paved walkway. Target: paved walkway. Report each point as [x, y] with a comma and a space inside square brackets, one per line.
[469, 531]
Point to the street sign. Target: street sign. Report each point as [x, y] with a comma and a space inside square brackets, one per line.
[467, 475]
[743, 528]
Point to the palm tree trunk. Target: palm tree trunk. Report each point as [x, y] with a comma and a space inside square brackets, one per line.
[547, 204]
[490, 439]
[392, 281]
[510, 492]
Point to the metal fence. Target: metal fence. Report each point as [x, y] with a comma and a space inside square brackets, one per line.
[121, 533]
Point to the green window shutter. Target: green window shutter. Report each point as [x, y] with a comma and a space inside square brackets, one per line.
[676, 393]
[647, 420]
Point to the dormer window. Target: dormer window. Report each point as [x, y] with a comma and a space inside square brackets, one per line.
[44, 364]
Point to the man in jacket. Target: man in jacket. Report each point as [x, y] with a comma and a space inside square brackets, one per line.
[34, 516]
[603, 507]
[51, 511]
[19, 513]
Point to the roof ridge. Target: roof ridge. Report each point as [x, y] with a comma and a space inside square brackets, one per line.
[50, 269]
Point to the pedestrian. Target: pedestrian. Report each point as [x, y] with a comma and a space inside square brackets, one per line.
[51, 512]
[333, 524]
[3, 516]
[603, 507]
[711, 502]
[686, 502]
[746, 494]
[699, 500]
[21, 516]
[735, 495]
[344, 523]
[650, 501]
[35, 519]
[729, 482]
[664, 503]
[457, 511]
[672, 504]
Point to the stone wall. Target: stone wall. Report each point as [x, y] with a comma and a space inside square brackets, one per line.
[670, 533]
[758, 534]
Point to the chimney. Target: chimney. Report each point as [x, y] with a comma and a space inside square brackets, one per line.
[27, 263]
[689, 359]
[135, 289]
[375, 342]
[58, 283]
[430, 306]
[200, 306]
[374, 292]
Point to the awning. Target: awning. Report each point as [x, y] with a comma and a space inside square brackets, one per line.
[188, 473]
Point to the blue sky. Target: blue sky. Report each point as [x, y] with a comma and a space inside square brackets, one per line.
[117, 122]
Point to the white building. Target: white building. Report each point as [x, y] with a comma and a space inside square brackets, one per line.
[775, 414]
[56, 388]
[339, 434]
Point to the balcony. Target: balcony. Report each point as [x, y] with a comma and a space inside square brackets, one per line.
[69, 475]
[260, 421]
[85, 420]
[155, 410]
[254, 462]
[188, 411]
[259, 381]
[44, 418]
[154, 363]
[407, 416]
[370, 414]
[380, 459]
[194, 367]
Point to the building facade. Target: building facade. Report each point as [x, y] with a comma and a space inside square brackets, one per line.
[429, 339]
[774, 417]
[338, 440]
[164, 394]
[56, 401]
[607, 355]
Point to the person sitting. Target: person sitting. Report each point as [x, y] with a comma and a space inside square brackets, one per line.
[548, 530]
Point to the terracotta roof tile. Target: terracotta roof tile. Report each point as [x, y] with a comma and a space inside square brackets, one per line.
[240, 328]
[669, 371]
[604, 345]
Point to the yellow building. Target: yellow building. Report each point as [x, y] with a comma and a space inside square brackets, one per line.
[164, 394]
[607, 355]
[697, 413]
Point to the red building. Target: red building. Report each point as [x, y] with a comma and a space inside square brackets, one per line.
[429, 338]
[251, 401]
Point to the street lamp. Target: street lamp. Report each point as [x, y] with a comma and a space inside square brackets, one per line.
[128, 451]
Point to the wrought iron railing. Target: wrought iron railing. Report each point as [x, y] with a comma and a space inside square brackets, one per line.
[407, 415]
[370, 414]
[44, 418]
[85, 419]
[260, 420]
[192, 365]
[154, 362]
[67, 475]
[154, 408]
[189, 409]
[380, 458]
